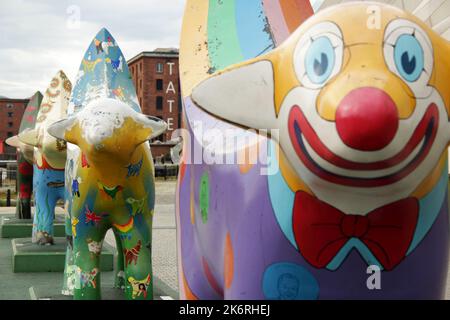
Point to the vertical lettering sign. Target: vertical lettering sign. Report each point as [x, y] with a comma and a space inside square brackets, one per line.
[170, 101]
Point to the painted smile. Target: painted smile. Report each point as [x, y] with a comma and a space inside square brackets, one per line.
[302, 133]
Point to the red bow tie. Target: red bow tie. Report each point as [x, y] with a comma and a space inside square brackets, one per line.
[321, 230]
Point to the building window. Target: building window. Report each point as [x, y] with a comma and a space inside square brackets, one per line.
[10, 114]
[9, 105]
[10, 124]
[159, 67]
[159, 84]
[159, 103]
[10, 134]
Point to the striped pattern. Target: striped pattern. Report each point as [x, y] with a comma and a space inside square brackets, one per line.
[217, 33]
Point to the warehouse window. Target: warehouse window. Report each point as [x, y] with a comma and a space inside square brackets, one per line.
[10, 134]
[159, 67]
[159, 84]
[159, 103]
[10, 114]
[10, 124]
[9, 105]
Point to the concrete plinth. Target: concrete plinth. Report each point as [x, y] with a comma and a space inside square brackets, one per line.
[11, 227]
[30, 257]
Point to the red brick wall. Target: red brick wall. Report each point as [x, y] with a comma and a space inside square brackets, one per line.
[145, 76]
[10, 123]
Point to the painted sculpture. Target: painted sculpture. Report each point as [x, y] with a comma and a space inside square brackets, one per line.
[109, 172]
[356, 177]
[25, 157]
[49, 157]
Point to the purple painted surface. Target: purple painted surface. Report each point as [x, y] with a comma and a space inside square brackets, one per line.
[241, 206]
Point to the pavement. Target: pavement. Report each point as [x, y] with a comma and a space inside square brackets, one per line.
[164, 254]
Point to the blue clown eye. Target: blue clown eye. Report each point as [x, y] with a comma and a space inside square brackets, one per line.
[409, 57]
[320, 60]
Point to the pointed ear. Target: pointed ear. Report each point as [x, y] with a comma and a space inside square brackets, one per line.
[243, 95]
[156, 126]
[13, 141]
[60, 129]
[29, 136]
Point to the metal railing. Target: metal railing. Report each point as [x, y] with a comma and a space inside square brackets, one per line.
[8, 179]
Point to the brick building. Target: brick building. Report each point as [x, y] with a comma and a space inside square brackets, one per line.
[11, 112]
[156, 78]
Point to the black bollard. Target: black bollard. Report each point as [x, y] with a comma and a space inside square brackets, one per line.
[8, 198]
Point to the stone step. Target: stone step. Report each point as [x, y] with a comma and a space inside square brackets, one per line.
[12, 227]
[30, 257]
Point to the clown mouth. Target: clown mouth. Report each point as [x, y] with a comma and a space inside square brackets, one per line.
[416, 150]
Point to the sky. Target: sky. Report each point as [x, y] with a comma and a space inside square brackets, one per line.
[40, 37]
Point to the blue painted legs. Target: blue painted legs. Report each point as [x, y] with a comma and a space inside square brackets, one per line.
[48, 189]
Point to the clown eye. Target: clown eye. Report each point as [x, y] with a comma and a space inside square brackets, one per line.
[318, 55]
[409, 57]
[408, 53]
[320, 59]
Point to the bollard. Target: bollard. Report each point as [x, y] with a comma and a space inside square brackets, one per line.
[8, 198]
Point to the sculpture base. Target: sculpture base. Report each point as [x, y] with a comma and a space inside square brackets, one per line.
[12, 227]
[49, 293]
[160, 292]
[30, 257]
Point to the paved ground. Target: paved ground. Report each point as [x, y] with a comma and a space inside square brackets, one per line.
[164, 252]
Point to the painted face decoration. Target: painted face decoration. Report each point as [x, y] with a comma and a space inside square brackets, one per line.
[361, 113]
[368, 118]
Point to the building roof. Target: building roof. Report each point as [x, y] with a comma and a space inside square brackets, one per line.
[3, 98]
[157, 53]
[434, 13]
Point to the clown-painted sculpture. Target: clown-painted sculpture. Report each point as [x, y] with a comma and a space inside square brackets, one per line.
[49, 157]
[109, 173]
[359, 184]
[25, 156]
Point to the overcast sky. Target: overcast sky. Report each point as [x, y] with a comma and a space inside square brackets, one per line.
[39, 37]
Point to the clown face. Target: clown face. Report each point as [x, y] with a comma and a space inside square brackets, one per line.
[362, 111]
